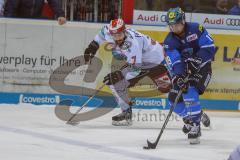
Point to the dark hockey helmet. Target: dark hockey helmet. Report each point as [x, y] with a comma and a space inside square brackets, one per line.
[175, 15]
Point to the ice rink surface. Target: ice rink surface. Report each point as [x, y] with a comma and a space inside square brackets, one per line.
[29, 132]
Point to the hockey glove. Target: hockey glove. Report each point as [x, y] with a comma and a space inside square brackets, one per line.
[179, 81]
[90, 52]
[112, 78]
[193, 64]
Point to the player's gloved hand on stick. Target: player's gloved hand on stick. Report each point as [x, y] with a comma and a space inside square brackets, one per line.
[88, 55]
[90, 52]
[112, 78]
[193, 64]
[179, 80]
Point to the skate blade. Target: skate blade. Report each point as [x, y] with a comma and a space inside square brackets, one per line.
[193, 141]
[122, 123]
[72, 123]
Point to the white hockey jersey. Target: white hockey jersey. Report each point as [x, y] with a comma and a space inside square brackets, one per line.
[138, 49]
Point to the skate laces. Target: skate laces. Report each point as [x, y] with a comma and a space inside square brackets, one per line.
[187, 126]
[194, 129]
[187, 123]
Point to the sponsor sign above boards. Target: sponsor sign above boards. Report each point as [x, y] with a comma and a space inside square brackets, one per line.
[214, 21]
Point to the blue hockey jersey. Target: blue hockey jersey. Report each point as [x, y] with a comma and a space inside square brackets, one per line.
[196, 43]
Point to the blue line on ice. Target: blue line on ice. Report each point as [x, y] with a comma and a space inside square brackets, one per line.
[80, 143]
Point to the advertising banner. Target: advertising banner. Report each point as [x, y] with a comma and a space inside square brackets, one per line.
[31, 51]
[217, 21]
[149, 17]
[214, 21]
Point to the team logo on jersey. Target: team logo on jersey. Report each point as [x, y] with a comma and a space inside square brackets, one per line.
[192, 37]
[126, 45]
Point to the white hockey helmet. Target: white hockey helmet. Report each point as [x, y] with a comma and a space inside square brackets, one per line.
[116, 26]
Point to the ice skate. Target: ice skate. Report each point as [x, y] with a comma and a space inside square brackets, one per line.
[123, 119]
[187, 126]
[194, 134]
[204, 119]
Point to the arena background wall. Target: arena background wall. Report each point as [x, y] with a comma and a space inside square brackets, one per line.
[30, 50]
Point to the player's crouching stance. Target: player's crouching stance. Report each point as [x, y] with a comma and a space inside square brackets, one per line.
[143, 56]
[190, 50]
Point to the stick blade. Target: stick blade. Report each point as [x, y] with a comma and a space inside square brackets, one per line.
[150, 145]
[72, 123]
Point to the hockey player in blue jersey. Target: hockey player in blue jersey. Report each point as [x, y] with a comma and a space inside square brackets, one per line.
[190, 50]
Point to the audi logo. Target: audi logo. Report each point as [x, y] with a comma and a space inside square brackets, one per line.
[233, 22]
[163, 18]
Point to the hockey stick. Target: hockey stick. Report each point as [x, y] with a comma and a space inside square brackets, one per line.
[74, 115]
[98, 90]
[151, 145]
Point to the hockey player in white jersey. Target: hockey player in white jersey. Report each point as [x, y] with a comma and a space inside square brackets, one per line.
[143, 57]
